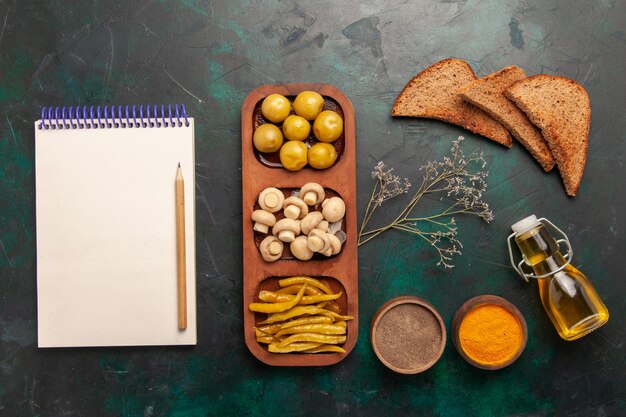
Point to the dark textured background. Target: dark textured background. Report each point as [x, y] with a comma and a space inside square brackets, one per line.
[209, 55]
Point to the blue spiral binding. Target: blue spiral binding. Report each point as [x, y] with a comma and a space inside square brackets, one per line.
[101, 117]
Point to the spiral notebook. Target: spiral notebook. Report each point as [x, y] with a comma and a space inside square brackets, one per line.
[106, 225]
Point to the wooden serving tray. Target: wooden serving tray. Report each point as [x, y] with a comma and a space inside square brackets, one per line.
[340, 271]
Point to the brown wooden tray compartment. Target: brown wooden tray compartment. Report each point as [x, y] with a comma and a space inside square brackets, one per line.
[287, 192]
[271, 284]
[341, 178]
[272, 160]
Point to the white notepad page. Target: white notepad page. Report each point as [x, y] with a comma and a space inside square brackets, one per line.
[106, 236]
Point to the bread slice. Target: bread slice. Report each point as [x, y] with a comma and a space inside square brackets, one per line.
[488, 94]
[433, 94]
[560, 108]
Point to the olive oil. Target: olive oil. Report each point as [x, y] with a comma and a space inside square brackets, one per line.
[569, 298]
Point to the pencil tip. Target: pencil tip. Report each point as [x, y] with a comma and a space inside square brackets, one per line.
[179, 165]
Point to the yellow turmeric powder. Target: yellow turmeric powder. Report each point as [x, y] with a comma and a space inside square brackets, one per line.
[490, 334]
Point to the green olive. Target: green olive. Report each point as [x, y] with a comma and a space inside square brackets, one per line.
[296, 128]
[322, 155]
[275, 108]
[328, 126]
[293, 155]
[308, 104]
[267, 138]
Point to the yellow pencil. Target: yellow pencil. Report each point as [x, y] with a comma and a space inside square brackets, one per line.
[181, 257]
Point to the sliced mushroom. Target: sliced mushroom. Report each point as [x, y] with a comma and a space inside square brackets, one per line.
[271, 249]
[341, 235]
[335, 245]
[318, 241]
[334, 227]
[286, 229]
[263, 220]
[312, 193]
[271, 199]
[311, 221]
[300, 249]
[295, 208]
[333, 209]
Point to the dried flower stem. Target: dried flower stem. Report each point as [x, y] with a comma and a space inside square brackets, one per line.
[452, 176]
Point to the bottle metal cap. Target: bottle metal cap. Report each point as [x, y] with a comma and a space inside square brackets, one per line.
[525, 224]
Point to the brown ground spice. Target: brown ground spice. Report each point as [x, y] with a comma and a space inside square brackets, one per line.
[408, 336]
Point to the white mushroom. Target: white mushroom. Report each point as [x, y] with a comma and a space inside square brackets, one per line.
[271, 249]
[286, 229]
[299, 248]
[335, 245]
[263, 220]
[318, 241]
[312, 193]
[295, 208]
[333, 209]
[311, 221]
[271, 199]
[323, 225]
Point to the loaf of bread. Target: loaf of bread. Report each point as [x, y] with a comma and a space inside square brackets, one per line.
[559, 107]
[487, 93]
[433, 93]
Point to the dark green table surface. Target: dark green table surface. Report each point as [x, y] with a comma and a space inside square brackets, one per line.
[209, 55]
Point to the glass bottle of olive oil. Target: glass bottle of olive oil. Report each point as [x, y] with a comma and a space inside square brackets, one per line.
[568, 297]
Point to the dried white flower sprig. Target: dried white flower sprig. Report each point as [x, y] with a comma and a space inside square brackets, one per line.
[461, 179]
